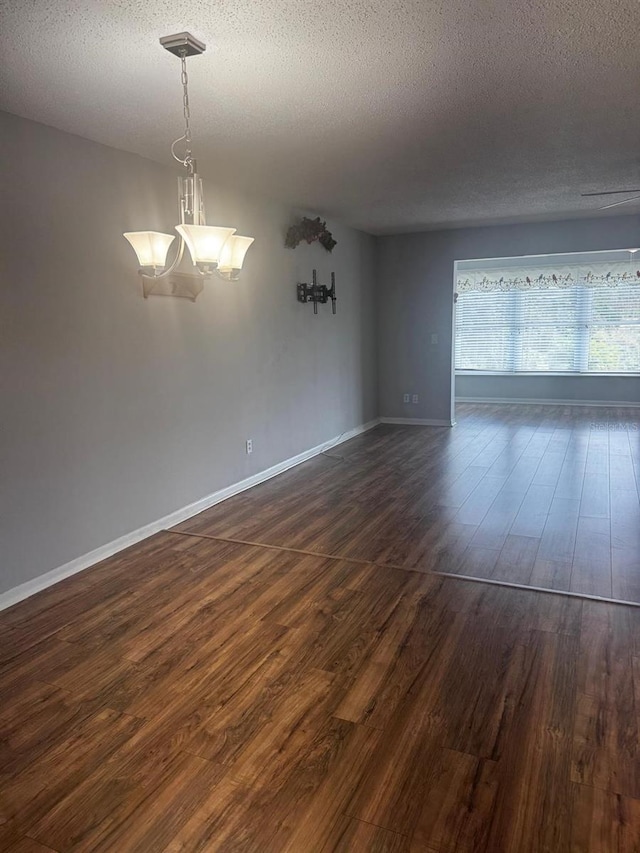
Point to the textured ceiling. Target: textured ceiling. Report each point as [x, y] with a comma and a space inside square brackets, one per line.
[389, 114]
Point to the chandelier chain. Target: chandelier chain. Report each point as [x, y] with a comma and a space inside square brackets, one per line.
[185, 103]
[186, 111]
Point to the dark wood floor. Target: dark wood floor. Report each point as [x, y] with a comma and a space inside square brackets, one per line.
[199, 695]
[533, 495]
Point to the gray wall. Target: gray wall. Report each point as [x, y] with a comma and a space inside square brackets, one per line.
[117, 411]
[598, 389]
[415, 300]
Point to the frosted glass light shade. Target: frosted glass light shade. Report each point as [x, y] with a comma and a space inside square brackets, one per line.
[205, 242]
[151, 247]
[232, 256]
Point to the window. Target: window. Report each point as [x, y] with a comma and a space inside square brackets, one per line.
[564, 319]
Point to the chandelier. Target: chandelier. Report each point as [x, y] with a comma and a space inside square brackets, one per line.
[213, 249]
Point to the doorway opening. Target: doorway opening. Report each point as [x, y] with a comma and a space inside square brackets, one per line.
[547, 329]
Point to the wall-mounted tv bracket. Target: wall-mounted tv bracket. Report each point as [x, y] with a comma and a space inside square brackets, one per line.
[318, 292]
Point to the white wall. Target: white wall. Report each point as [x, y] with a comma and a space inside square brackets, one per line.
[118, 410]
[415, 281]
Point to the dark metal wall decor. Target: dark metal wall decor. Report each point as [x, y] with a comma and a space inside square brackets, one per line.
[308, 231]
[316, 293]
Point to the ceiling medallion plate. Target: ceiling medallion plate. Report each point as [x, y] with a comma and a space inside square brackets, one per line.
[183, 44]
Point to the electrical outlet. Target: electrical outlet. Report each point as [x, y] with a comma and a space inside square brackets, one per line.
[434, 339]
[249, 446]
[406, 398]
[414, 399]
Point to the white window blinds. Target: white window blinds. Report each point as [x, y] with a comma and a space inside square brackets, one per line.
[573, 327]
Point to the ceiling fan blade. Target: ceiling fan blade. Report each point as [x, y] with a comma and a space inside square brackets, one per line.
[613, 192]
[616, 203]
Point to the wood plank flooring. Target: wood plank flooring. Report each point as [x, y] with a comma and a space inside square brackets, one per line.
[536, 495]
[190, 694]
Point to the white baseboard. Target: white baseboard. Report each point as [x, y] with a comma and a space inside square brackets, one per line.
[25, 590]
[613, 404]
[417, 422]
